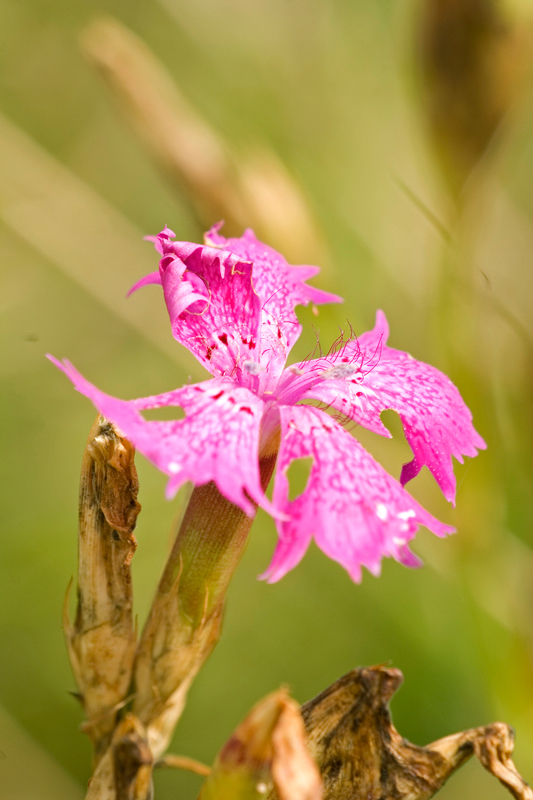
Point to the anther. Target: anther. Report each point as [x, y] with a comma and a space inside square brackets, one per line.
[339, 371]
[253, 367]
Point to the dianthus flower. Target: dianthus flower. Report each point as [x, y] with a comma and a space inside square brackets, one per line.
[231, 303]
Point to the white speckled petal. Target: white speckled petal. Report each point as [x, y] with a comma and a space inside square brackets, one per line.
[280, 286]
[436, 421]
[356, 512]
[213, 307]
[218, 439]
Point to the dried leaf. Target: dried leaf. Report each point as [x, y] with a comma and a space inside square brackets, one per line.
[362, 756]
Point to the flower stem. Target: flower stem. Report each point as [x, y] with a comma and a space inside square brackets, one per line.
[183, 625]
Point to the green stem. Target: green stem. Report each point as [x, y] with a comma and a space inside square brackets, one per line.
[184, 622]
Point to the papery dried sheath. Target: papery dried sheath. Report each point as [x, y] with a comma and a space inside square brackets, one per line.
[102, 641]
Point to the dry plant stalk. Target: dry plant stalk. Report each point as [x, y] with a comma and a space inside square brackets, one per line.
[172, 761]
[101, 643]
[361, 755]
[268, 748]
[254, 190]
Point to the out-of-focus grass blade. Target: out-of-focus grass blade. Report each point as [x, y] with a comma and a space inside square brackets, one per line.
[252, 189]
[26, 770]
[82, 234]
[187, 150]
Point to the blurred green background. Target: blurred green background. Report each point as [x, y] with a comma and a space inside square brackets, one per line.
[350, 104]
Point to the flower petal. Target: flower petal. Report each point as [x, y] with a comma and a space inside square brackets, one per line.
[213, 308]
[355, 510]
[151, 278]
[218, 440]
[280, 286]
[364, 377]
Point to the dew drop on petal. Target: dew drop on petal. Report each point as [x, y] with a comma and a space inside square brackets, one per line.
[399, 542]
[406, 514]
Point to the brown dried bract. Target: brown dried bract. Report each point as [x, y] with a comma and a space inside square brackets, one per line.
[268, 750]
[132, 761]
[362, 756]
[125, 770]
[294, 772]
[115, 482]
[101, 643]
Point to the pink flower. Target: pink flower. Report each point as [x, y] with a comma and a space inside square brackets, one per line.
[231, 302]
